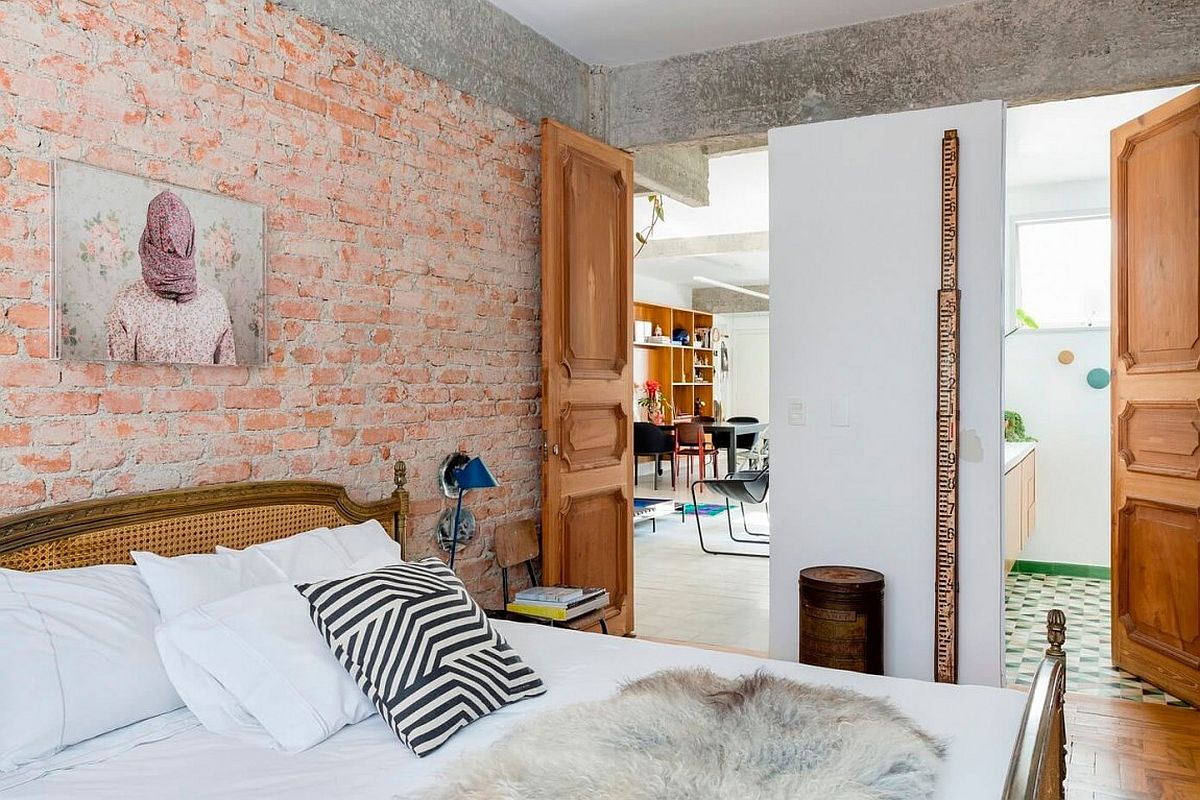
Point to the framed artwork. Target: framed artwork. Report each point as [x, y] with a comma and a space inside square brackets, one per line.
[146, 271]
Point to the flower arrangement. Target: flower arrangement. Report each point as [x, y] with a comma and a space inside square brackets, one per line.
[654, 401]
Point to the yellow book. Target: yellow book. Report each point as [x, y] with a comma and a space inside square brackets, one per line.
[561, 613]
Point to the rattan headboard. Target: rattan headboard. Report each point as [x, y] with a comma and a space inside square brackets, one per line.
[180, 521]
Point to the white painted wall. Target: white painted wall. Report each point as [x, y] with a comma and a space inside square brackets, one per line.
[1071, 423]
[648, 289]
[855, 248]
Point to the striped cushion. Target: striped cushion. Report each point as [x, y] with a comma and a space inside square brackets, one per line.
[420, 649]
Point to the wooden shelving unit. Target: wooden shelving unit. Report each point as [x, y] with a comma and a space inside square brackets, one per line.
[685, 371]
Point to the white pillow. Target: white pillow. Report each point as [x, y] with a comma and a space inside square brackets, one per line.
[77, 658]
[185, 582]
[311, 555]
[253, 666]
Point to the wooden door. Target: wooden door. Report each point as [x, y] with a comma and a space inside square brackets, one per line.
[587, 357]
[1156, 396]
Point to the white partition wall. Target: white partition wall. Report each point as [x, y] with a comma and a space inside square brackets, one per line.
[855, 248]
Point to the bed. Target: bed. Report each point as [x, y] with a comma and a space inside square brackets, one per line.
[1002, 743]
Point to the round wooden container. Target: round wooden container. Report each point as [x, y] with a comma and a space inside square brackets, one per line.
[841, 618]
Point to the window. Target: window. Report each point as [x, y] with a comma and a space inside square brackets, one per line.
[1063, 271]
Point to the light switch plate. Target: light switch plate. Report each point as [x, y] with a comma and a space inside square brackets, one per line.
[839, 413]
[797, 411]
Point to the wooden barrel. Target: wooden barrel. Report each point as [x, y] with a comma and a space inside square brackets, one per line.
[841, 618]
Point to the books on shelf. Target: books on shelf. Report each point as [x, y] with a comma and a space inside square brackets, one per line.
[558, 603]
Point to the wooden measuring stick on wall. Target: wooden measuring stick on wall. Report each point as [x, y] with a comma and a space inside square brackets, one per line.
[945, 640]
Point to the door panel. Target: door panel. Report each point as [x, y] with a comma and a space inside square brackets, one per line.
[587, 348]
[1155, 396]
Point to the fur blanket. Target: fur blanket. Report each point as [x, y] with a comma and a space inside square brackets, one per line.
[691, 735]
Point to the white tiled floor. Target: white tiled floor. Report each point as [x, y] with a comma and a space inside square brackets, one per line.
[682, 593]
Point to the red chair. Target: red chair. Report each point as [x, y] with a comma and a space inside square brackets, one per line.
[690, 440]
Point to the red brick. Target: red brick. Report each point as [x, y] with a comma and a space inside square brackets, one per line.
[68, 490]
[20, 495]
[46, 404]
[268, 421]
[69, 431]
[222, 473]
[146, 375]
[207, 423]
[174, 452]
[118, 402]
[237, 397]
[15, 286]
[294, 95]
[76, 374]
[29, 315]
[15, 435]
[34, 171]
[183, 400]
[352, 117]
[296, 440]
[43, 463]
[30, 373]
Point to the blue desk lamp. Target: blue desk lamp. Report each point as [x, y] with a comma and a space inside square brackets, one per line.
[472, 475]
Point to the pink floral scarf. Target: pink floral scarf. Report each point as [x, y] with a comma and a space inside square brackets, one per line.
[168, 248]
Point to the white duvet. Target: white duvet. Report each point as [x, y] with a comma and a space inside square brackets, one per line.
[173, 757]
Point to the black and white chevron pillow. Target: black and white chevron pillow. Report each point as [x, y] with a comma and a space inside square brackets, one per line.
[420, 649]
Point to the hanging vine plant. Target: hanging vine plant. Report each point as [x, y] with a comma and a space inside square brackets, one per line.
[645, 233]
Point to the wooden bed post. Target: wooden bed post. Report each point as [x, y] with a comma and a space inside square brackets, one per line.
[1038, 767]
[400, 515]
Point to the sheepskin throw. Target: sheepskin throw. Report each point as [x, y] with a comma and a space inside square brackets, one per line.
[692, 735]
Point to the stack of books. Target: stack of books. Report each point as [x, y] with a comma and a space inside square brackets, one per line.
[558, 603]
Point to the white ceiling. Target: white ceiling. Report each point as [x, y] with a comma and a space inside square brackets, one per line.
[616, 32]
[738, 203]
[1069, 140]
[740, 269]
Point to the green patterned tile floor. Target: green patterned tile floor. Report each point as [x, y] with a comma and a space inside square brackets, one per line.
[1029, 596]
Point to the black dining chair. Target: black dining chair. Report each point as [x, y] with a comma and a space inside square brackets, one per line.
[744, 442]
[744, 486]
[651, 440]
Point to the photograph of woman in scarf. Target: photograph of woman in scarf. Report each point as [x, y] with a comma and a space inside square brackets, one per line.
[169, 315]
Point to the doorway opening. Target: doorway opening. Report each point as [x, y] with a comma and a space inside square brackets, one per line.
[1057, 373]
[700, 371]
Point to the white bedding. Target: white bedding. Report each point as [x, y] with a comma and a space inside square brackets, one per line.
[172, 756]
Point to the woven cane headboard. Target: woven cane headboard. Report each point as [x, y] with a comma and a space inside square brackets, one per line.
[180, 521]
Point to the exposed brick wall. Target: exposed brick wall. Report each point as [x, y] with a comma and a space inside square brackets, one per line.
[403, 273]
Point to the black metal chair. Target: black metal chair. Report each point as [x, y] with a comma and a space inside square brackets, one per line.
[651, 440]
[744, 442]
[744, 486]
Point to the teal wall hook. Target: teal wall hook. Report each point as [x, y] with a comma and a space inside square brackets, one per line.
[1098, 378]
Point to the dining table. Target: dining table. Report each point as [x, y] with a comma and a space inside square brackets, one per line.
[735, 429]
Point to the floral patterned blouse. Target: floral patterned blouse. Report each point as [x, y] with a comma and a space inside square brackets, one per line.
[145, 327]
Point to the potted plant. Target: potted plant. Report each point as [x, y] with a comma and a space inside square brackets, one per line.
[654, 401]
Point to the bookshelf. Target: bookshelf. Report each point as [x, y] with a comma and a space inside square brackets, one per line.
[685, 371]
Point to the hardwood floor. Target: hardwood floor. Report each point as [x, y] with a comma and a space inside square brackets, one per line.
[1121, 750]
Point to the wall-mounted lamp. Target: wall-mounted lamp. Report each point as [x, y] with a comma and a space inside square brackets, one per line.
[459, 474]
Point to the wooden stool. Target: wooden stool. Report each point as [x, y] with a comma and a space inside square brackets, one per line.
[841, 618]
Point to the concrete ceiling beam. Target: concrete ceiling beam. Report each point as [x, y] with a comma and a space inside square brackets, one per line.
[716, 244]
[1020, 51]
[680, 173]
